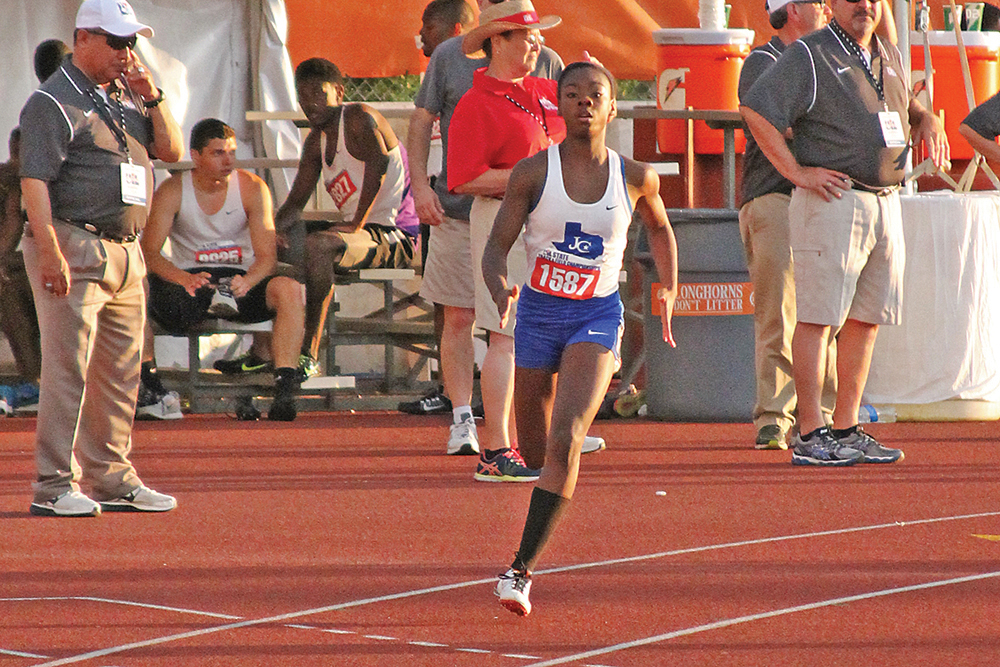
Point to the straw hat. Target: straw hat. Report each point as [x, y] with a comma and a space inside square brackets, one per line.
[504, 16]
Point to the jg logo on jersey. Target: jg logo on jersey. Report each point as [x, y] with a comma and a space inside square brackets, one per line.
[580, 243]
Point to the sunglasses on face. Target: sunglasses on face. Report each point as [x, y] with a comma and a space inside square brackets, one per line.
[535, 41]
[115, 42]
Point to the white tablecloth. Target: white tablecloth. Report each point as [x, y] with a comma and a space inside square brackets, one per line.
[948, 343]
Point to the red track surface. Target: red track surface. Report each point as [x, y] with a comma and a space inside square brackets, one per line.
[320, 543]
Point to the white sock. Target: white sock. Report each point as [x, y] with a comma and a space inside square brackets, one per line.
[462, 413]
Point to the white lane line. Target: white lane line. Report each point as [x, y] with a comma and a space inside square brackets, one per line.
[21, 654]
[520, 656]
[127, 603]
[477, 582]
[764, 615]
[763, 540]
[428, 644]
[474, 650]
[381, 638]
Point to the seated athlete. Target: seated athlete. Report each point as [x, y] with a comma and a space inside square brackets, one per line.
[575, 202]
[222, 240]
[356, 152]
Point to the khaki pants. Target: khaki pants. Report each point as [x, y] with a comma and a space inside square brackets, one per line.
[764, 229]
[91, 343]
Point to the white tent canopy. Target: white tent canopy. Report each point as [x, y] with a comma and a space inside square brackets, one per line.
[212, 58]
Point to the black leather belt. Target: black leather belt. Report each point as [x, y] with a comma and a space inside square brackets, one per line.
[107, 236]
[877, 191]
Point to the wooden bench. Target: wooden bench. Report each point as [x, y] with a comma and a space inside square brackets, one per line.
[389, 326]
[210, 391]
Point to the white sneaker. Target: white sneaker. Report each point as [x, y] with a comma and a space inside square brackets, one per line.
[463, 439]
[512, 589]
[142, 499]
[592, 443]
[167, 406]
[71, 503]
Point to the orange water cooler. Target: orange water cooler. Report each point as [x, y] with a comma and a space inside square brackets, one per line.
[983, 49]
[700, 69]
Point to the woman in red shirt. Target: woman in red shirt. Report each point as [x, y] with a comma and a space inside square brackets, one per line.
[505, 116]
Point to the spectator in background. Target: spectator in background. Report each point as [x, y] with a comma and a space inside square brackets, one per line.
[49, 55]
[354, 150]
[981, 128]
[221, 230]
[506, 116]
[448, 270]
[844, 94]
[442, 20]
[18, 319]
[764, 228]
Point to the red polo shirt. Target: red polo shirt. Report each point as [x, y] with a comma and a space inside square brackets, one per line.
[497, 123]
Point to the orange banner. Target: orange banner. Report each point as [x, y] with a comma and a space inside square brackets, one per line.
[701, 299]
[375, 38]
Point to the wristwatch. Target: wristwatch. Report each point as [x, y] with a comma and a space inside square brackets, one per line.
[152, 104]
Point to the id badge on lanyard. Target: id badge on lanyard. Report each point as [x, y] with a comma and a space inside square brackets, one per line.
[133, 184]
[892, 129]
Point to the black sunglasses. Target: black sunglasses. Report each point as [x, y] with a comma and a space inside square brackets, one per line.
[118, 43]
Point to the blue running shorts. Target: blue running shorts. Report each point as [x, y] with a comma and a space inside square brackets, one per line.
[547, 324]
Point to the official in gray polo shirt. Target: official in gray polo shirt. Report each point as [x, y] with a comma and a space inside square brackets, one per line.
[845, 95]
[86, 181]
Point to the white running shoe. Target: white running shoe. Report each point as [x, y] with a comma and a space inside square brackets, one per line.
[592, 443]
[463, 439]
[142, 499]
[71, 503]
[167, 406]
[512, 589]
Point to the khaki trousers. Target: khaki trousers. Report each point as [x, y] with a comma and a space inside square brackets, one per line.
[91, 343]
[764, 229]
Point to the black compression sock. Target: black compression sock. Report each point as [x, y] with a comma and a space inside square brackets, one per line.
[544, 513]
[150, 379]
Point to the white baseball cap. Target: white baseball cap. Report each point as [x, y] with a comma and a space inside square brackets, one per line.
[775, 5]
[112, 16]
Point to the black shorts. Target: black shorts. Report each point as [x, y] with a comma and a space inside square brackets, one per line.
[176, 311]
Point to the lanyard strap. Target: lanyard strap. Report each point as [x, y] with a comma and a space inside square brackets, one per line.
[104, 111]
[540, 121]
[855, 48]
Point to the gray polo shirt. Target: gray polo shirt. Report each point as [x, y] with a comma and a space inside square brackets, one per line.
[448, 77]
[759, 175]
[985, 119]
[68, 144]
[820, 89]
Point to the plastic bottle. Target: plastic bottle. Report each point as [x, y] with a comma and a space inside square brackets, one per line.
[869, 414]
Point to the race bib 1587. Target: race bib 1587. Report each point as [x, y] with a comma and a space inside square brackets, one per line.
[569, 282]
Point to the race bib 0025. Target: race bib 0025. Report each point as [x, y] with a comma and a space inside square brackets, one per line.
[569, 282]
[226, 252]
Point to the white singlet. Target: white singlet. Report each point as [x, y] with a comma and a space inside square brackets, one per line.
[575, 250]
[343, 180]
[221, 239]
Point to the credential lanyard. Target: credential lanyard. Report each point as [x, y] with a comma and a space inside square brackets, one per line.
[540, 121]
[104, 111]
[855, 48]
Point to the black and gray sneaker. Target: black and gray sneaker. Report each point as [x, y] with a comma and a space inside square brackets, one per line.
[245, 363]
[433, 402]
[871, 449]
[820, 448]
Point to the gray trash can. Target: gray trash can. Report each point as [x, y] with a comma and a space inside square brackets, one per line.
[709, 376]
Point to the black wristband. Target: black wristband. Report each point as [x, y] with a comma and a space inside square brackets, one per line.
[152, 104]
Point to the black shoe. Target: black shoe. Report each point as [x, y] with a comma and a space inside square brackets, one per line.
[245, 363]
[246, 411]
[433, 403]
[283, 409]
[286, 386]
